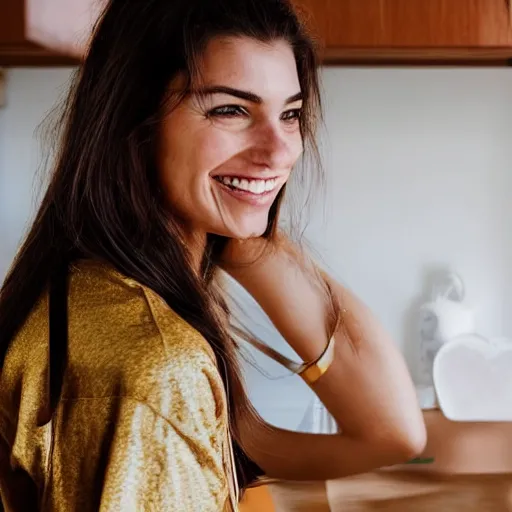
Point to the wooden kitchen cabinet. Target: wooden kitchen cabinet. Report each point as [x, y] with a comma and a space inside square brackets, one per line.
[15, 49]
[350, 31]
[417, 30]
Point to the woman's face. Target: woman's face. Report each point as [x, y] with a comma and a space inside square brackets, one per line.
[229, 147]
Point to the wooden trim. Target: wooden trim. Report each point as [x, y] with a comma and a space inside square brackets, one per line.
[418, 63]
[417, 56]
[33, 56]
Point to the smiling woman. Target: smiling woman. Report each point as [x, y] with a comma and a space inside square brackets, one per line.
[120, 387]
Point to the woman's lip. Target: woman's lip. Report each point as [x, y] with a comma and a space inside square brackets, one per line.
[247, 177]
[248, 197]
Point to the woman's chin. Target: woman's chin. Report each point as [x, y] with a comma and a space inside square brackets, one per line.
[244, 230]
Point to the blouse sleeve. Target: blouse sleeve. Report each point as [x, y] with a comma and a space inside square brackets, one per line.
[123, 454]
[156, 464]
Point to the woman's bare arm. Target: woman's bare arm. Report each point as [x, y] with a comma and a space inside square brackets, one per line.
[367, 389]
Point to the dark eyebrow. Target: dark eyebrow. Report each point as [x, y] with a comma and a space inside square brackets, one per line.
[297, 97]
[244, 95]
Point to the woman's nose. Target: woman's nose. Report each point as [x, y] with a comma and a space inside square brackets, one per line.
[276, 148]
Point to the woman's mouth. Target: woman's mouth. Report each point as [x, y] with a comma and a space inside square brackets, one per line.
[254, 186]
[256, 192]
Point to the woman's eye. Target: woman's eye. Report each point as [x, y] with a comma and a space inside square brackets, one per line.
[227, 111]
[291, 115]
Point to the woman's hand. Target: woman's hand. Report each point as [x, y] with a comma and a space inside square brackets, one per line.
[367, 388]
[64, 26]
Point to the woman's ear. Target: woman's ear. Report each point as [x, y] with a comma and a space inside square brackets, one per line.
[64, 26]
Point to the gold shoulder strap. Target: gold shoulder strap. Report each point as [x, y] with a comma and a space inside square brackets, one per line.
[310, 372]
[313, 371]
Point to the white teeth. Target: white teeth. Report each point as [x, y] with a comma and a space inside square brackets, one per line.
[254, 186]
[257, 187]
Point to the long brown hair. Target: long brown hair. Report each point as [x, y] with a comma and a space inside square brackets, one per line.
[104, 201]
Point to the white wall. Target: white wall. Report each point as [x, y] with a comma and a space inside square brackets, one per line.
[31, 96]
[419, 180]
[419, 163]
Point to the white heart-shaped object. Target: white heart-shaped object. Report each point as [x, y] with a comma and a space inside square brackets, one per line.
[473, 379]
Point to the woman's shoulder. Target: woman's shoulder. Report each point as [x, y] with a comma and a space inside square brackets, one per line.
[122, 339]
[116, 323]
[103, 300]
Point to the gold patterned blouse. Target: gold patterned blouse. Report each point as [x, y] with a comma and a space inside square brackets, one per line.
[142, 421]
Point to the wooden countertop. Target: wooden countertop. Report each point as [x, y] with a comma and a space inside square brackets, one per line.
[465, 447]
[472, 468]
[397, 492]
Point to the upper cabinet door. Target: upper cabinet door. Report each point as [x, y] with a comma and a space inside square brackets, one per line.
[422, 29]
[65, 26]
